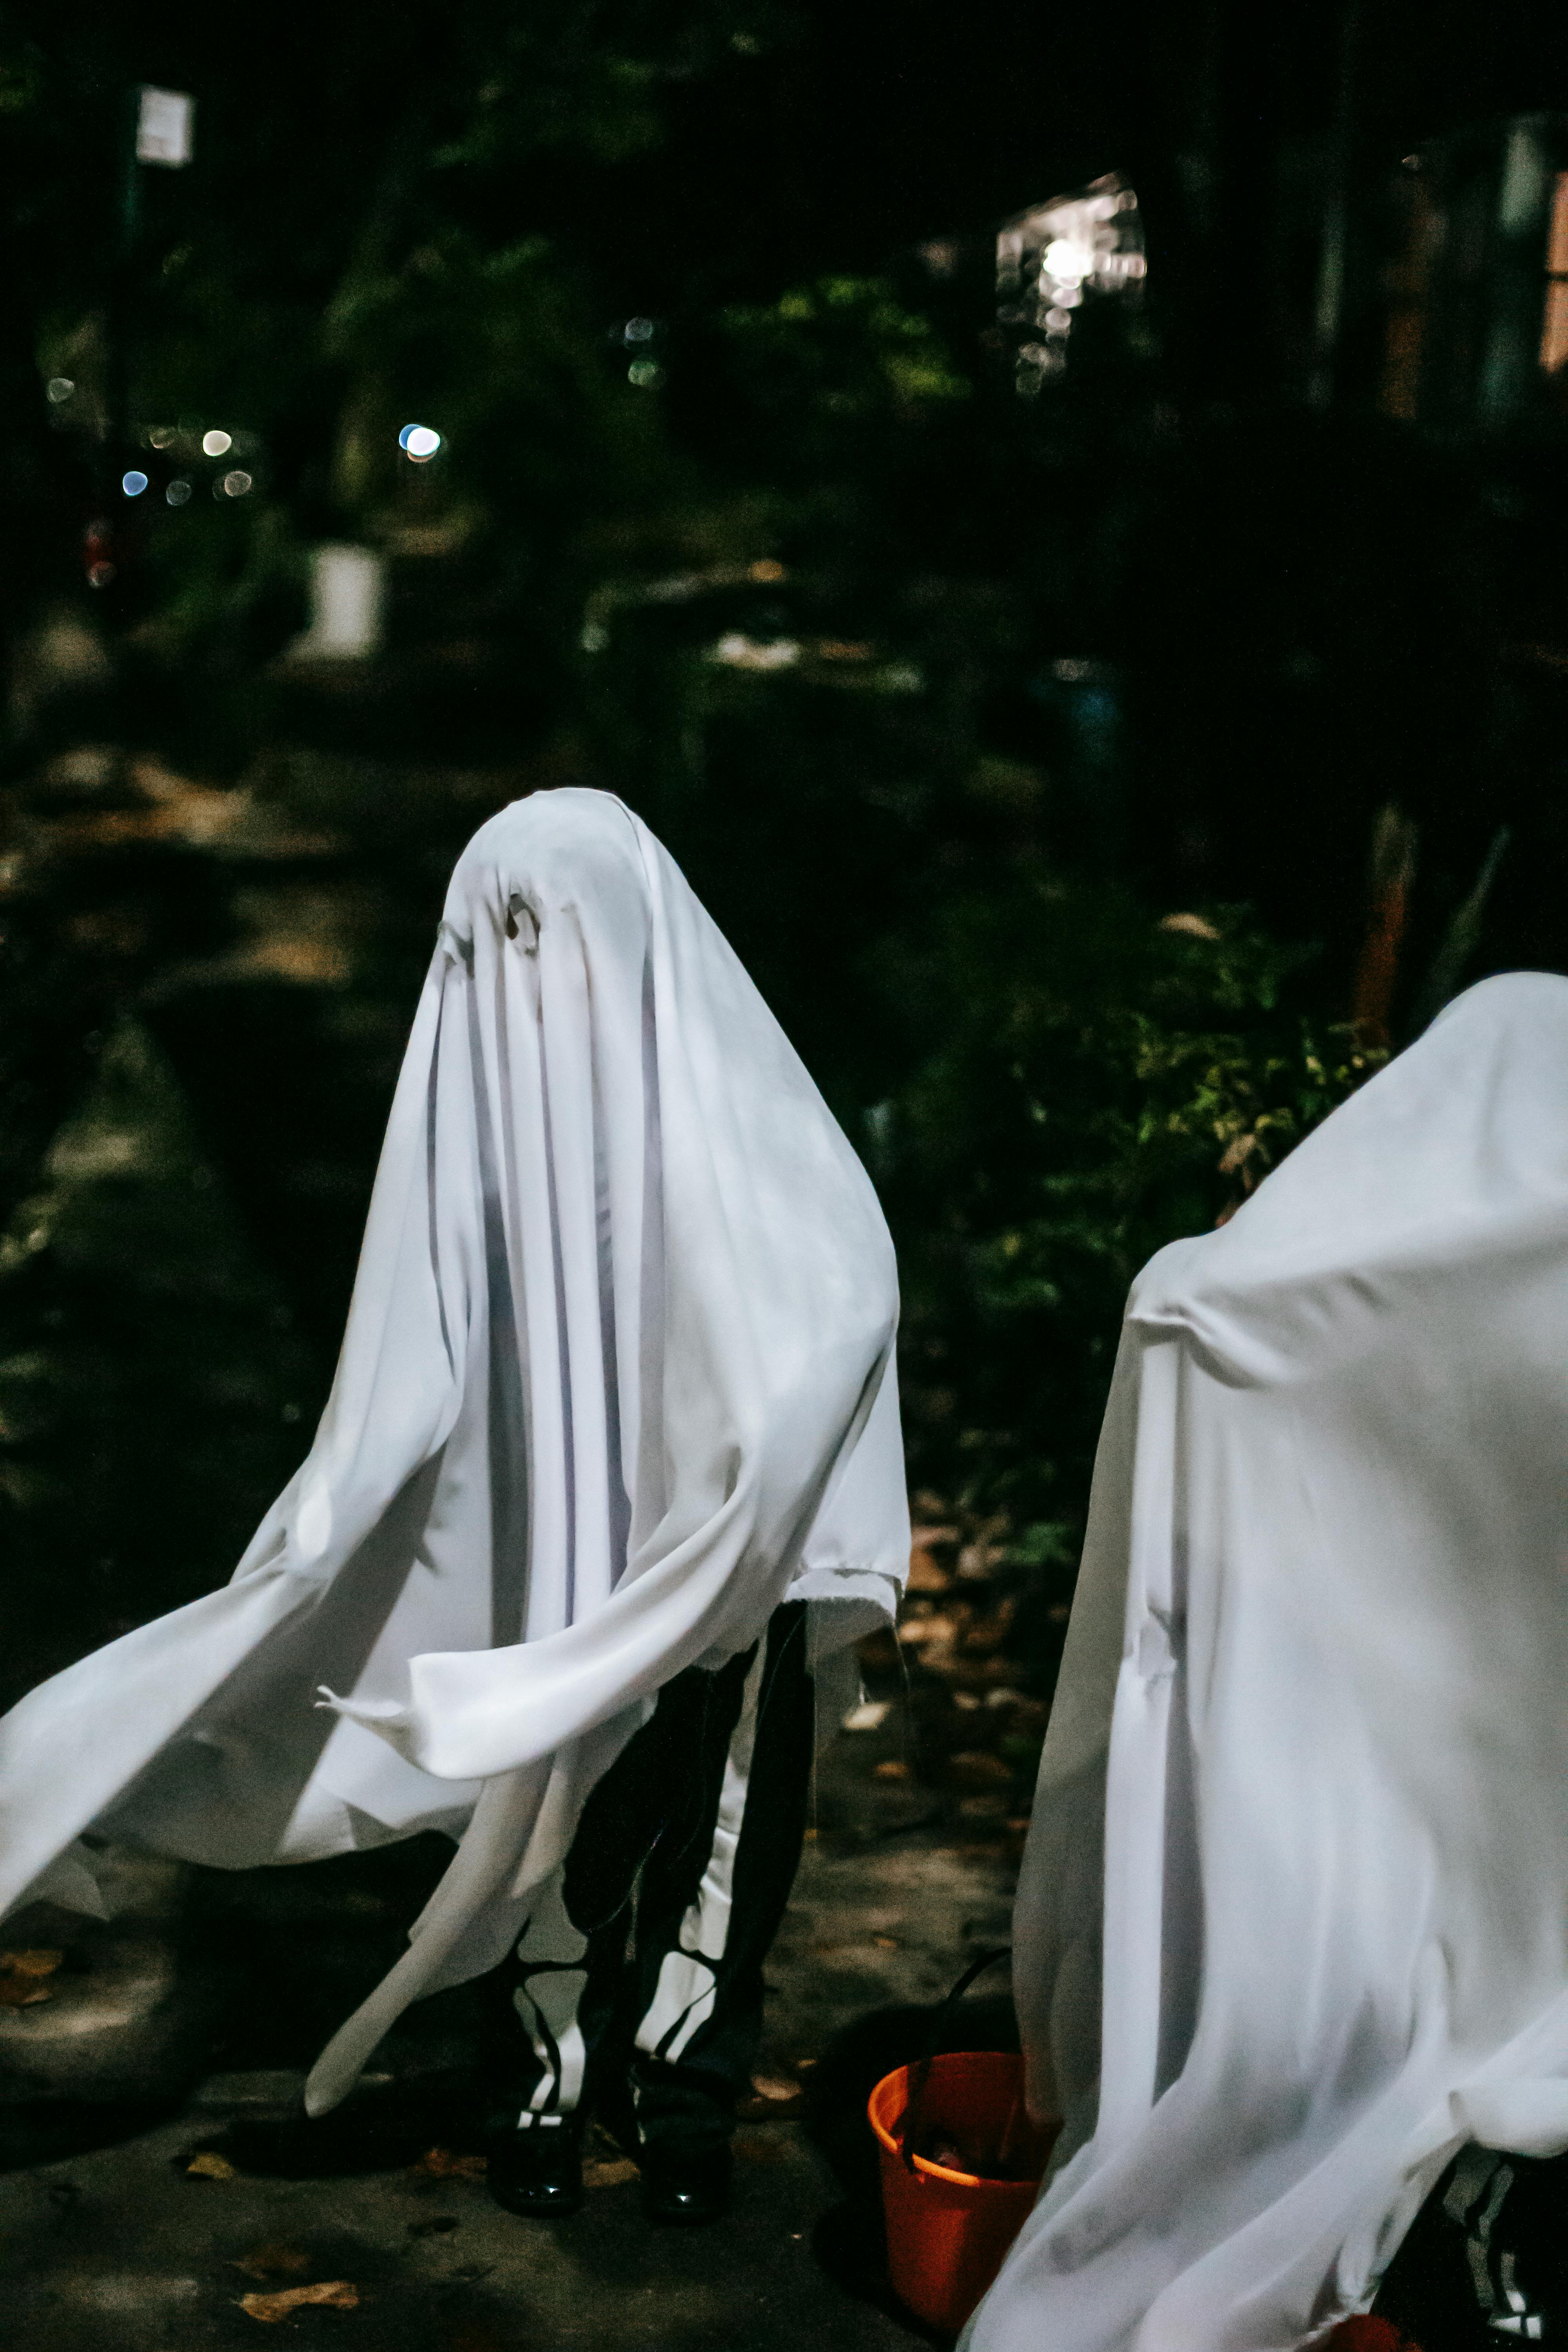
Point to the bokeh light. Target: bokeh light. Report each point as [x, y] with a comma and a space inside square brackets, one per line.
[419, 442]
[216, 444]
[134, 483]
[235, 485]
[178, 493]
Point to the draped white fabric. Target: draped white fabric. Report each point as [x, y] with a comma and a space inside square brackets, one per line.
[1306, 1782]
[617, 1379]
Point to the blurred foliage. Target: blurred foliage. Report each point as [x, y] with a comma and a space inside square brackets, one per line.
[1098, 1083]
[942, 699]
[131, 1306]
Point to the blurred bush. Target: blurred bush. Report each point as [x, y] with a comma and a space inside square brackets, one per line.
[1098, 1082]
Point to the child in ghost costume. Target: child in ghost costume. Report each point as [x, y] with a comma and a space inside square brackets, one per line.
[1291, 1943]
[609, 1475]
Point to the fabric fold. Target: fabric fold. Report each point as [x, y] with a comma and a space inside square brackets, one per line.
[1290, 1924]
[618, 1378]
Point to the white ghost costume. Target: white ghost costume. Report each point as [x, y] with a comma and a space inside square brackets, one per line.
[1292, 1925]
[617, 1380]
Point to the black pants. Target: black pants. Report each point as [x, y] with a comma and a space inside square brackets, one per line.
[637, 1986]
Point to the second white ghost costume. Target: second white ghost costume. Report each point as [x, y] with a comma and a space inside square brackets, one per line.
[617, 1380]
[1293, 1921]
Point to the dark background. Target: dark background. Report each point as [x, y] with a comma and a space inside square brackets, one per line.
[946, 693]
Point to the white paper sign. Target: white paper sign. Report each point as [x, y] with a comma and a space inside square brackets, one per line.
[164, 123]
[348, 595]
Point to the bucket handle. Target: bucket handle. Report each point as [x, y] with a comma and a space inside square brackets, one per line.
[919, 2073]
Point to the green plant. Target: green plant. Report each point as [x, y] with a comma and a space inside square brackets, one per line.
[1098, 1082]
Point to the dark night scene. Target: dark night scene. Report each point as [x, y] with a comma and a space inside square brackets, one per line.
[783, 1177]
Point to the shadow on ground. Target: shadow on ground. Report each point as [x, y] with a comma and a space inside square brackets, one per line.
[201, 2003]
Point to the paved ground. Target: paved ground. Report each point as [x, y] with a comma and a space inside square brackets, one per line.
[108, 2238]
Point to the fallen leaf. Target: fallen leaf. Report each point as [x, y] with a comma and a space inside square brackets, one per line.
[894, 1768]
[270, 2261]
[918, 1631]
[976, 1768]
[886, 1943]
[927, 1575]
[21, 1978]
[442, 2165]
[335, 2295]
[770, 2095]
[209, 2165]
[870, 1716]
[608, 2172]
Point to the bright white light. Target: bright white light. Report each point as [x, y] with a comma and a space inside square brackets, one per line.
[59, 388]
[236, 484]
[133, 484]
[739, 652]
[1053, 258]
[214, 443]
[1067, 262]
[419, 442]
[164, 126]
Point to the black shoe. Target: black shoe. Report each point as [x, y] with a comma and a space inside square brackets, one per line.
[536, 2168]
[682, 2188]
[1485, 2259]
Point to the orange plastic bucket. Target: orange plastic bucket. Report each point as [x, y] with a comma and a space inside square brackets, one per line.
[948, 2231]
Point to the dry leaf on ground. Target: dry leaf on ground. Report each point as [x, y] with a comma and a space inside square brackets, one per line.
[209, 2165]
[335, 2295]
[442, 2165]
[770, 2095]
[926, 1575]
[21, 1975]
[894, 1768]
[916, 1631]
[608, 2172]
[272, 2261]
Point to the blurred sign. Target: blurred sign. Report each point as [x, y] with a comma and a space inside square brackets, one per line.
[348, 595]
[165, 125]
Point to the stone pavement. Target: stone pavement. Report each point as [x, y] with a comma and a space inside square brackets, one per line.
[176, 2036]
